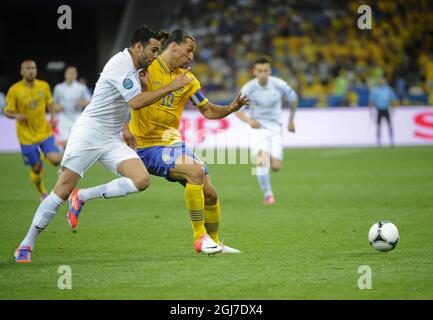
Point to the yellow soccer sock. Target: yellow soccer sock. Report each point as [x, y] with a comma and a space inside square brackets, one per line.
[194, 200]
[212, 217]
[38, 182]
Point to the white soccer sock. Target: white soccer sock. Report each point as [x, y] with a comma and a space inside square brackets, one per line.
[264, 179]
[116, 188]
[43, 216]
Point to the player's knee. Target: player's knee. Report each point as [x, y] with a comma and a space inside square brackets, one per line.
[37, 168]
[196, 174]
[275, 168]
[142, 182]
[55, 159]
[56, 162]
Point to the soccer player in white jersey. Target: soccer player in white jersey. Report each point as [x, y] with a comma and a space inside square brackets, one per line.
[70, 98]
[96, 136]
[266, 94]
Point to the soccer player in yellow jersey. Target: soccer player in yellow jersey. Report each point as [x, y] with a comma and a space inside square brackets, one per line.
[161, 148]
[27, 101]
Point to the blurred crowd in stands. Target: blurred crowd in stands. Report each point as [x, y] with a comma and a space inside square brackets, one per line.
[316, 46]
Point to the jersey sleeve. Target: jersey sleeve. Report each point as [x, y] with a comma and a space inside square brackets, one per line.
[127, 85]
[11, 104]
[47, 97]
[288, 93]
[197, 97]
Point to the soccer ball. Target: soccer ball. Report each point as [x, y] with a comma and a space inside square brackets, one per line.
[383, 236]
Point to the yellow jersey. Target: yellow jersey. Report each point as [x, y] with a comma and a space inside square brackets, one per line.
[158, 124]
[31, 102]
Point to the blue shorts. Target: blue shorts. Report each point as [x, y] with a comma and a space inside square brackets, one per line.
[31, 152]
[159, 159]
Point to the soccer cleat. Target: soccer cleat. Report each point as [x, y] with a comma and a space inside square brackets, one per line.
[23, 254]
[227, 249]
[75, 206]
[269, 200]
[43, 196]
[206, 245]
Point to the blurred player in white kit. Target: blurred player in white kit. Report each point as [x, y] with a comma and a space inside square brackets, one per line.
[70, 98]
[266, 94]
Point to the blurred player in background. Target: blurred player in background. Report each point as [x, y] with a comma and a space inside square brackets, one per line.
[83, 81]
[2, 102]
[70, 97]
[96, 136]
[382, 97]
[160, 145]
[266, 94]
[27, 102]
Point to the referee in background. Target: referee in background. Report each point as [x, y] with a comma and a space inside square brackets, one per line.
[382, 97]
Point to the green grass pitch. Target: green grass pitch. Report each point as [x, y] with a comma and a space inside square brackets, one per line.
[309, 245]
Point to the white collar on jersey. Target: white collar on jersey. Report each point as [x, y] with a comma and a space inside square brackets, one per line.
[126, 52]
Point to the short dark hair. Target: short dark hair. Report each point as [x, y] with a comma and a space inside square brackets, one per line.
[178, 36]
[143, 34]
[262, 60]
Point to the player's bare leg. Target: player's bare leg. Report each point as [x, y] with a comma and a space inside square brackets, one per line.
[263, 161]
[46, 212]
[54, 158]
[276, 164]
[192, 171]
[135, 178]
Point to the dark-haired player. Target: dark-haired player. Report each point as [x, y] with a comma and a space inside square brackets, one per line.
[160, 146]
[266, 139]
[27, 101]
[95, 136]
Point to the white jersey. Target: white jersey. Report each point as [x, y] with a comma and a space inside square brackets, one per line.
[118, 83]
[266, 101]
[68, 96]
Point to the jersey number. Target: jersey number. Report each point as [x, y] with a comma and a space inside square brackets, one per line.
[168, 100]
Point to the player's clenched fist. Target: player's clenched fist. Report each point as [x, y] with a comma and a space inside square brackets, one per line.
[128, 137]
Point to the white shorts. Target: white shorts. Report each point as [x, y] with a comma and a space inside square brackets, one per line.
[267, 140]
[65, 126]
[86, 145]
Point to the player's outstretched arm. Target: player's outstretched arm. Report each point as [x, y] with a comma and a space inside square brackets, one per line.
[13, 115]
[147, 98]
[213, 111]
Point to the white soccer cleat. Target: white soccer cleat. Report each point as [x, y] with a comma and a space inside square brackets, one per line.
[227, 249]
[206, 245]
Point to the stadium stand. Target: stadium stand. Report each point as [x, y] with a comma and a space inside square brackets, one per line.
[319, 52]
